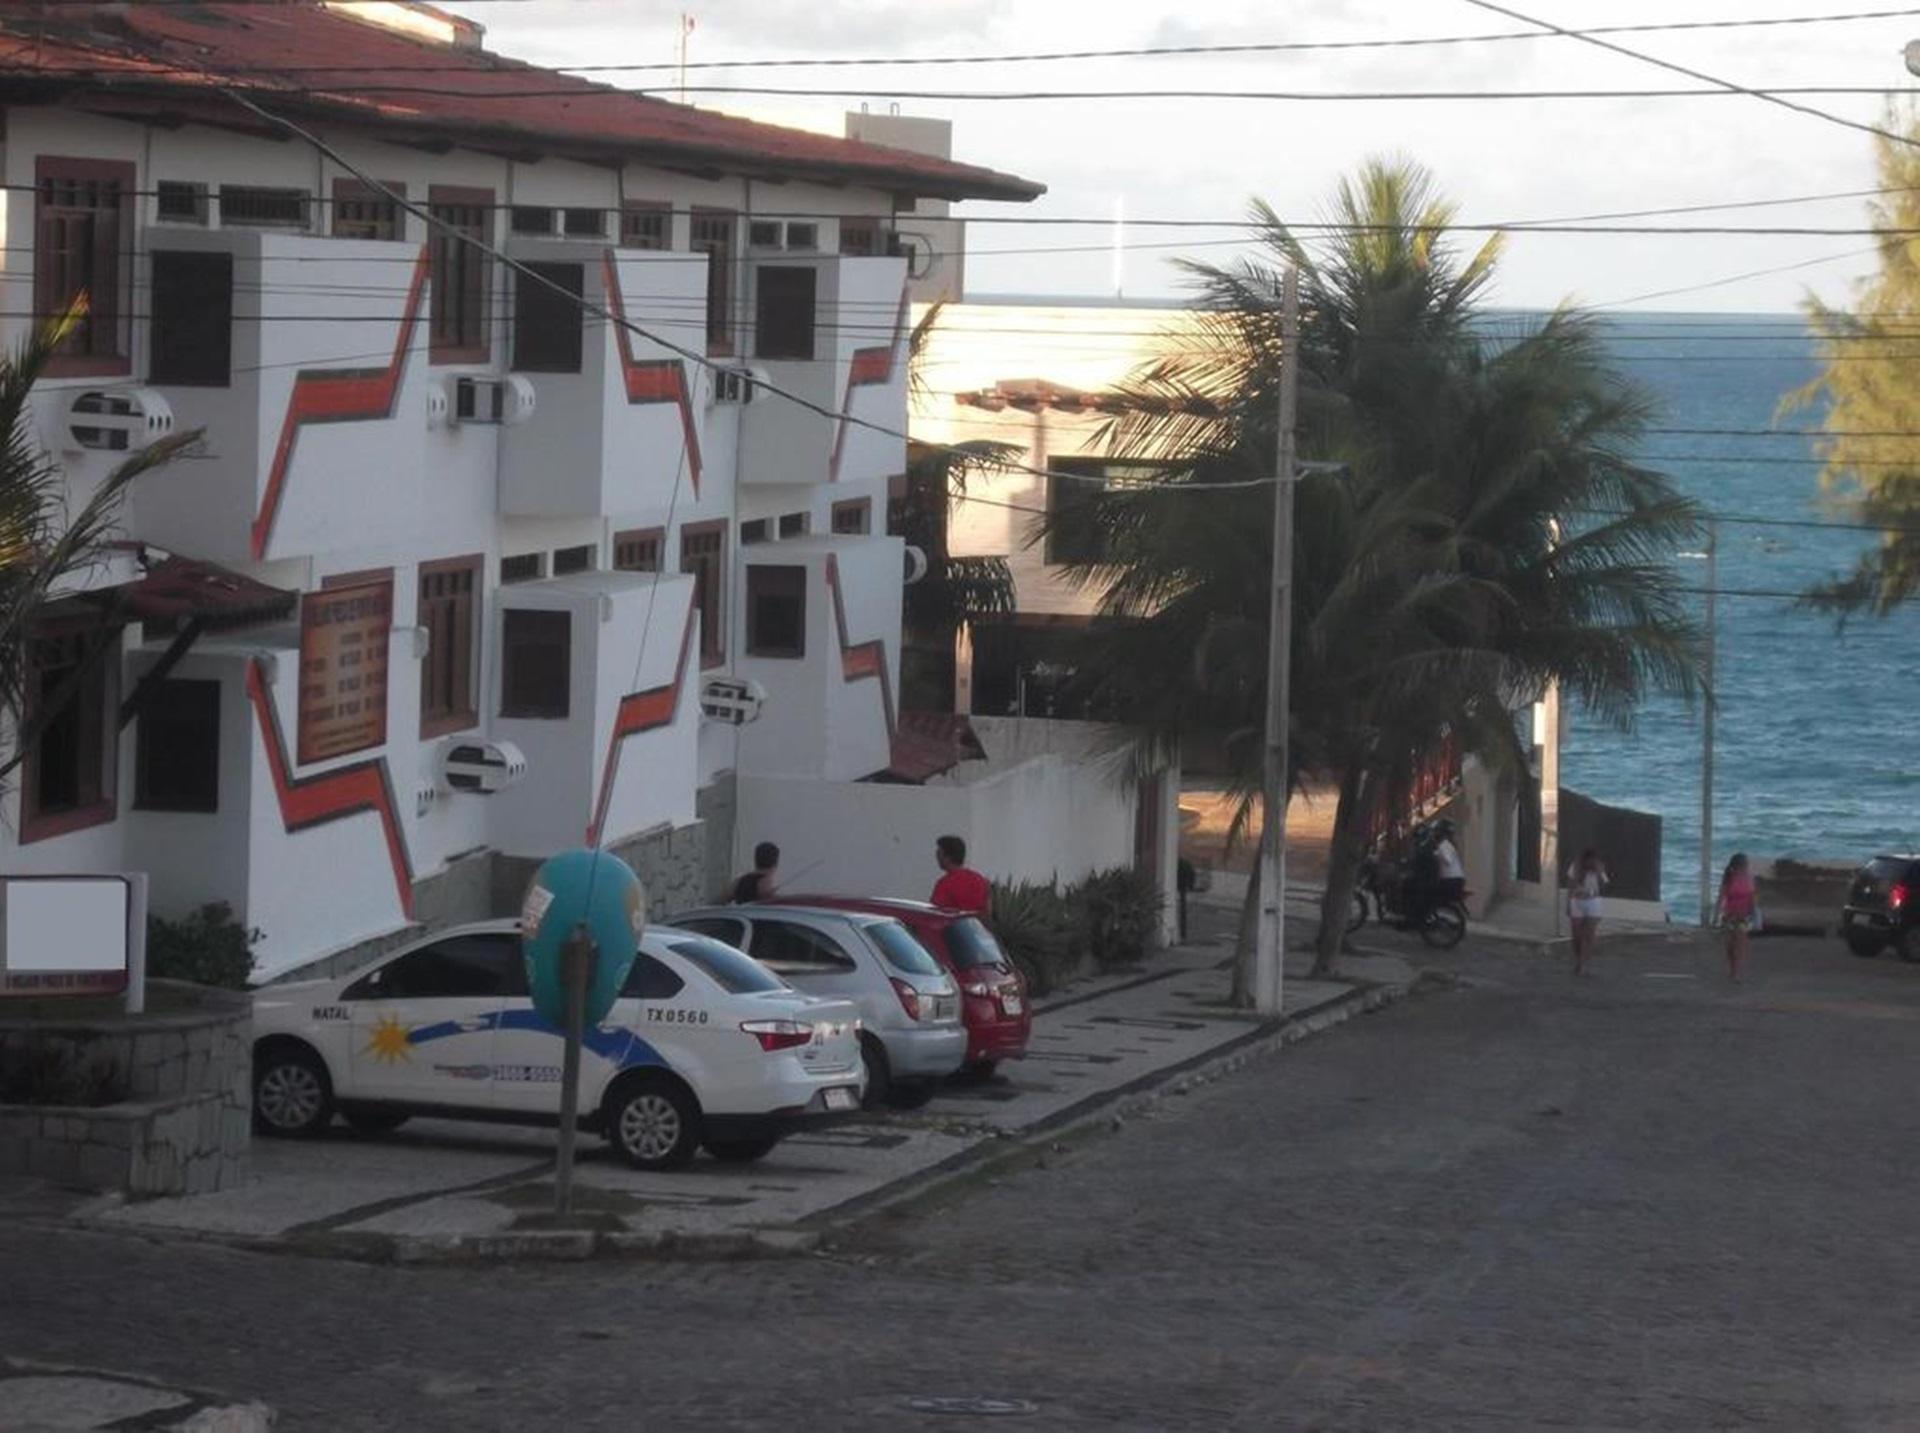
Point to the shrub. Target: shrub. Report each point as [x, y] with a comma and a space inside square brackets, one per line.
[1035, 925]
[1118, 912]
[208, 947]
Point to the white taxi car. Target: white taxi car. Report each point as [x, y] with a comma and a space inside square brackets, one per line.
[705, 1046]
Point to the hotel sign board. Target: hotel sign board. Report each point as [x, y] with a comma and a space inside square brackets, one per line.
[64, 935]
[344, 634]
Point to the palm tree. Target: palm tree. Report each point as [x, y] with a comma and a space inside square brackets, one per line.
[954, 590]
[1483, 535]
[44, 545]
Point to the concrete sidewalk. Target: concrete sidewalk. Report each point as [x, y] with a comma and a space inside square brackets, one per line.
[50, 1398]
[458, 1190]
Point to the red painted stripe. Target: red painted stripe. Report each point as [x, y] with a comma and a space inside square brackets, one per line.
[323, 395]
[869, 366]
[867, 659]
[331, 795]
[656, 380]
[639, 712]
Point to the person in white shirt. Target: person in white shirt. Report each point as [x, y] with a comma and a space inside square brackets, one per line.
[1452, 875]
[1586, 879]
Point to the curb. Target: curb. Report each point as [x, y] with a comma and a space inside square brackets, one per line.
[1104, 1111]
[193, 1411]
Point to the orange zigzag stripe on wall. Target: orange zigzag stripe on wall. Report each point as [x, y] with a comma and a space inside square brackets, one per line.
[337, 395]
[332, 795]
[866, 660]
[638, 712]
[657, 380]
[870, 366]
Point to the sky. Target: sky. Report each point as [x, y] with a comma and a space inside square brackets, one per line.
[1204, 158]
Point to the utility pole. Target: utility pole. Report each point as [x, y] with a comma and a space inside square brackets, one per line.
[1709, 712]
[1270, 946]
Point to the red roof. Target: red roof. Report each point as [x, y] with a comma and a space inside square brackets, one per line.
[928, 743]
[171, 61]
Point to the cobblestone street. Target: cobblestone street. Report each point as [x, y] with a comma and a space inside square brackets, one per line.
[1646, 1200]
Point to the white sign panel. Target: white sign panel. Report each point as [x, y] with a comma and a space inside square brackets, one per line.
[63, 935]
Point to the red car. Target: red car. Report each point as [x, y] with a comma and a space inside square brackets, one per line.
[993, 997]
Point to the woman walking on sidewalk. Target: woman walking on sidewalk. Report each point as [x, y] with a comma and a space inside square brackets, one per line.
[1736, 910]
[1586, 879]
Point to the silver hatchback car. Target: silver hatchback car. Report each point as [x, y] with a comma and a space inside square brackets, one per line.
[911, 1033]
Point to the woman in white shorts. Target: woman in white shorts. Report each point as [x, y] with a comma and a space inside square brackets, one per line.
[1586, 879]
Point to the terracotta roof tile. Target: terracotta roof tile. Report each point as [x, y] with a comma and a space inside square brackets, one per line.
[176, 57]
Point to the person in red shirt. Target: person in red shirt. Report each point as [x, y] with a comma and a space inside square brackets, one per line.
[959, 888]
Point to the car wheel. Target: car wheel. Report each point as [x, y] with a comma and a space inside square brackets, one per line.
[1445, 926]
[653, 1123]
[740, 1151]
[1907, 943]
[879, 1077]
[292, 1096]
[372, 1119]
[910, 1095]
[1864, 943]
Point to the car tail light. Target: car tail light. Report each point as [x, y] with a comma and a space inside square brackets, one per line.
[778, 1034]
[1897, 896]
[909, 997]
[977, 987]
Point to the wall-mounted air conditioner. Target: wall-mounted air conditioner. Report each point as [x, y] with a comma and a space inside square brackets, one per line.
[732, 701]
[737, 383]
[506, 400]
[483, 767]
[116, 420]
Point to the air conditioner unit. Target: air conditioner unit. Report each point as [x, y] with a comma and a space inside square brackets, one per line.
[483, 767]
[732, 701]
[737, 384]
[116, 420]
[508, 400]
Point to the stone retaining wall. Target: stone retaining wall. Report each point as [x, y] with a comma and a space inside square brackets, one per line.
[184, 1123]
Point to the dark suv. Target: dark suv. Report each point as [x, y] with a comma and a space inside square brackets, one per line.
[1883, 907]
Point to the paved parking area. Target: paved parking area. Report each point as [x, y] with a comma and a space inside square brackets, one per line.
[439, 1187]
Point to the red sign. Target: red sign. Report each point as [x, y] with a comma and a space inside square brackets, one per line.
[344, 632]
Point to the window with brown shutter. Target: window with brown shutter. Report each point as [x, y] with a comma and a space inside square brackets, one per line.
[68, 778]
[784, 312]
[776, 611]
[860, 238]
[536, 663]
[450, 611]
[191, 325]
[703, 552]
[713, 236]
[83, 235]
[638, 549]
[853, 516]
[462, 273]
[646, 226]
[362, 212]
[548, 325]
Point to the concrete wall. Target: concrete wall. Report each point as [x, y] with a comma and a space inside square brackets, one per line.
[185, 1119]
[1047, 805]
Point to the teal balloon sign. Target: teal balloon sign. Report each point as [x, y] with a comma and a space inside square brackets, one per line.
[577, 888]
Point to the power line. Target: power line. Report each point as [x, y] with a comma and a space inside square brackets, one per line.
[1050, 56]
[1773, 96]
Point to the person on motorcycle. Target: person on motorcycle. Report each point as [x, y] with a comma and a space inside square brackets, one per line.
[1451, 882]
[1422, 881]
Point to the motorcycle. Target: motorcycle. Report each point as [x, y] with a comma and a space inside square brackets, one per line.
[1378, 895]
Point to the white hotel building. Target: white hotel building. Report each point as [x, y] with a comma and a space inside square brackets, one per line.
[441, 514]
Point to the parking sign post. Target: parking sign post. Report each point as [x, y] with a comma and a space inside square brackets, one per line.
[576, 964]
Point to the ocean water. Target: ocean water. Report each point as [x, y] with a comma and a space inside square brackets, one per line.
[1817, 749]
